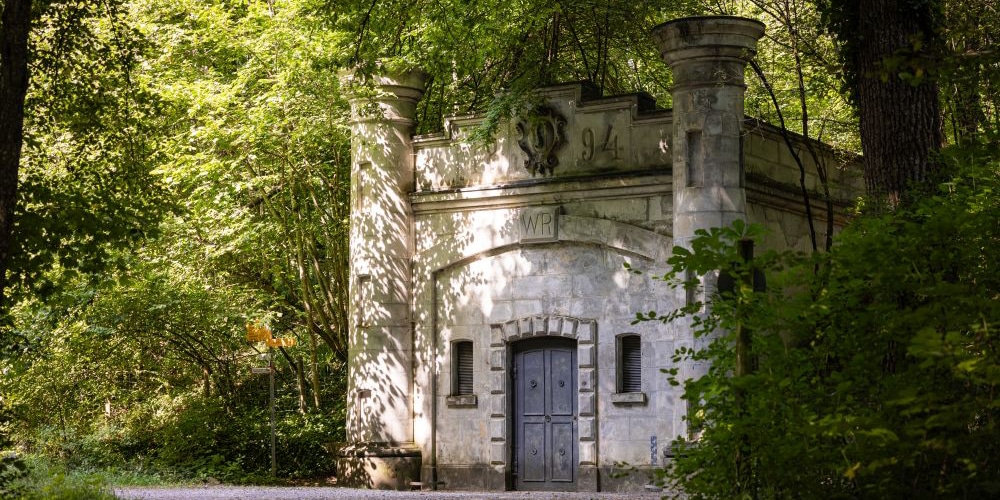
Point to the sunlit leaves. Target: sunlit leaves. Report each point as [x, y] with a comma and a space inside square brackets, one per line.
[86, 186]
[480, 55]
[257, 151]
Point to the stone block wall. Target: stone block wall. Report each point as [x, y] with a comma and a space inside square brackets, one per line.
[774, 193]
[527, 236]
[476, 268]
[478, 265]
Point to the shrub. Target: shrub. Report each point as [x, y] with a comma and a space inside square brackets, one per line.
[877, 364]
[45, 481]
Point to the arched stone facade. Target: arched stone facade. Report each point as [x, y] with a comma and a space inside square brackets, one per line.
[461, 241]
[520, 291]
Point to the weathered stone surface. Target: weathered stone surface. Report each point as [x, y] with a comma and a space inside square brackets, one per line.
[634, 211]
[585, 229]
[588, 452]
[463, 477]
[524, 308]
[586, 355]
[498, 429]
[459, 240]
[498, 452]
[463, 401]
[377, 467]
[587, 379]
[498, 404]
[587, 404]
[630, 398]
[588, 428]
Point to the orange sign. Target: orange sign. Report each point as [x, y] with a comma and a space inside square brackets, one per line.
[261, 333]
[258, 333]
[282, 342]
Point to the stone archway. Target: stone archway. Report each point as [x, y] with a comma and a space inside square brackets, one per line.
[502, 335]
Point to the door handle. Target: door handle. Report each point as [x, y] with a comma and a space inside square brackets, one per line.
[548, 418]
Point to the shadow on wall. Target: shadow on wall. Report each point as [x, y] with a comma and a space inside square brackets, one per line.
[379, 421]
[478, 262]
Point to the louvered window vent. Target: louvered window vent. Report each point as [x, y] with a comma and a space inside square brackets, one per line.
[629, 364]
[462, 359]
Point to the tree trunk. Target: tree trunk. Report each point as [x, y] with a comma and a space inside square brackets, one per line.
[314, 370]
[900, 121]
[206, 381]
[16, 24]
[300, 381]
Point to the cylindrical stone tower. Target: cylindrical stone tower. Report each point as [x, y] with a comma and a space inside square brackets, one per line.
[708, 56]
[380, 353]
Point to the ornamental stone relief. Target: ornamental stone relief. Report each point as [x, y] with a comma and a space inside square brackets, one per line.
[542, 136]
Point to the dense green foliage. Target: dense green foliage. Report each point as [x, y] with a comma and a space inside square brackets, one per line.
[186, 171]
[877, 364]
[54, 482]
[950, 49]
[519, 46]
[86, 187]
[196, 182]
[12, 467]
[153, 371]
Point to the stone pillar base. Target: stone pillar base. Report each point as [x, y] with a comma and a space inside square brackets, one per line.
[634, 479]
[587, 478]
[378, 466]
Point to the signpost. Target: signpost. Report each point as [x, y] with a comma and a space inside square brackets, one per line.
[261, 333]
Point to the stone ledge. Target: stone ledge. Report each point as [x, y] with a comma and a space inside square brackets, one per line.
[629, 398]
[463, 401]
[366, 449]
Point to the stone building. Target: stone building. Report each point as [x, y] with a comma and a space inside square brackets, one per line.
[491, 339]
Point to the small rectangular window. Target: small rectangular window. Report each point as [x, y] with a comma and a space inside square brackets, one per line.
[695, 160]
[462, 368]
[362, 191]
[629, 363]
[364, 301]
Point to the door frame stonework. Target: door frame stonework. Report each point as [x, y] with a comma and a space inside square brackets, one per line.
[502, 338]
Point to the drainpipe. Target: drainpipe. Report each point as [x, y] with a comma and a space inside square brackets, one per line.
[432, 369]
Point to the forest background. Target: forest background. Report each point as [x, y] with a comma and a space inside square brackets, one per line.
[184, 168]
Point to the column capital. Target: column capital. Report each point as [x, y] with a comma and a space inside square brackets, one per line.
[707, 37]
[396, 92]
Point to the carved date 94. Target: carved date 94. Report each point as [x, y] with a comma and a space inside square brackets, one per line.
[609, 146]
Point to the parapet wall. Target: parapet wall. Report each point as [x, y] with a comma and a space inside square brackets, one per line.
[572, 134]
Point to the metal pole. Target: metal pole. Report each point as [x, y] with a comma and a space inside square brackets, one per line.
[270, 364]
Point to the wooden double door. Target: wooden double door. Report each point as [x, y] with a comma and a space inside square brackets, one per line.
[545, 414]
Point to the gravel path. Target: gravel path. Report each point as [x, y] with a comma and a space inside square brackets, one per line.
[328, 493]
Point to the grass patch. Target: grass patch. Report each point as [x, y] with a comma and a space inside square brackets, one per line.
[48, 479]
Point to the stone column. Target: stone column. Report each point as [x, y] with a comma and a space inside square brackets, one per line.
[380, 353]
[708, 56]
